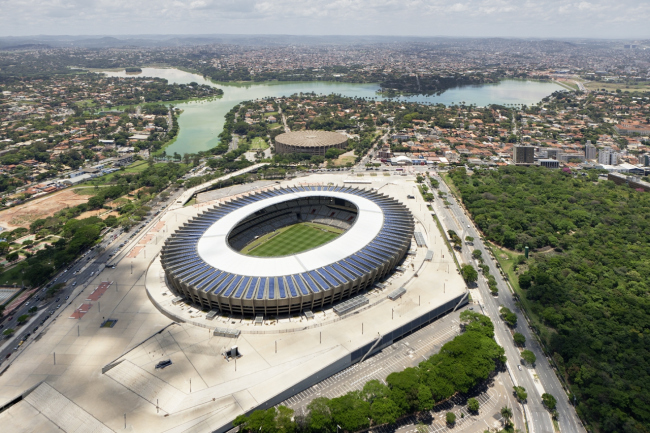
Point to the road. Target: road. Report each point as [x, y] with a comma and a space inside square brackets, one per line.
[455, 218]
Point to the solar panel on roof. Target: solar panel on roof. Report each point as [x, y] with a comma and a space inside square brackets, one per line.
[341, 270]
[318, 279]
[310, 283]
[261, 288]
[292, 286]
[348, 267]
[329, 278]
[271, 292]
[251, 288]
[369, 259]
[200, 277]
[232, 285]
[242, 287]
[340, 278]
[301, 285]
[281, 289]
[207, 283]
[223, 284]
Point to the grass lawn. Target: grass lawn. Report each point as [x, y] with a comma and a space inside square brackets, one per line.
[258, 143]
[342, 160]
[136, 167]
[291, 240]
[611, 87]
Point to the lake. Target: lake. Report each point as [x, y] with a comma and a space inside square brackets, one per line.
[202, 121]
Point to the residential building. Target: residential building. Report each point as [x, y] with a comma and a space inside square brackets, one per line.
[607, 156]
[523, 154]
[590, 151]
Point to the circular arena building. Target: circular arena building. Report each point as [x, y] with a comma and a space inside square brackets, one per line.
[287, 250]
[311, 142]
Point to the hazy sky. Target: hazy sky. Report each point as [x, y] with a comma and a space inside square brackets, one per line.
[523, 18]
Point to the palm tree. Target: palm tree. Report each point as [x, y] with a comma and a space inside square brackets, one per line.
[506, 413]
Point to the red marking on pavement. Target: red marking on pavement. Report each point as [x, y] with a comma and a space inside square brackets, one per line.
[81, 311]
[145, 239]
[134, 252]
[18, 301]
[99, 291]
[158, 226]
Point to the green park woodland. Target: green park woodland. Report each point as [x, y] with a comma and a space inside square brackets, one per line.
[586, 282]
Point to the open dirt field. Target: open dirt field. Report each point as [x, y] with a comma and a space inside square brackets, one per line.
[25, 214]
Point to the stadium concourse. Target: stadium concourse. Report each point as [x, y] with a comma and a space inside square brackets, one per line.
[81, 377]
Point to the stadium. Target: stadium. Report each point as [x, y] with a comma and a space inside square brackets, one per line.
[311, 142]
[288, 250]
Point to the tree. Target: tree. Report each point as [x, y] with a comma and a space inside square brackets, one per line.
[520, 393]
[7, 332]
[472, 405]
[476, 254]
[509, 317]
[319, 417]
[469, 239]
[468, 273]
[22, 319]
[549, 401]
[506, 413]
[425, 398]
[284, 420]
[374, 389]
[384, 411]
[12, 256]
[529, 357]
[33, 310]
[520, 340]
[476, 322]
[450, 418]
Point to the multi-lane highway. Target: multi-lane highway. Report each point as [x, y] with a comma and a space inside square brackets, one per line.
[539, 421]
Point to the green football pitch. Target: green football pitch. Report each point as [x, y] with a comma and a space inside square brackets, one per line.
[291, 240]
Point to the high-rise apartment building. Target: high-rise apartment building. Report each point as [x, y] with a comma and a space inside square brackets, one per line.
[590, 151]
[607, 156]
[523, 154]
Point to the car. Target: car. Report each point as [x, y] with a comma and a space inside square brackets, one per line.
[58, 306]
[26, 304]
[163, 364]
[467, 225]
[74, 284]
[519, 367]
[67, 297]
[57, 299]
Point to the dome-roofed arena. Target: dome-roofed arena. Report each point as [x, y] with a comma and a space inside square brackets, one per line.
[311, 142]
[287, 250]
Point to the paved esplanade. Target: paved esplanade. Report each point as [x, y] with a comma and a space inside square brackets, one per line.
[200, 391]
